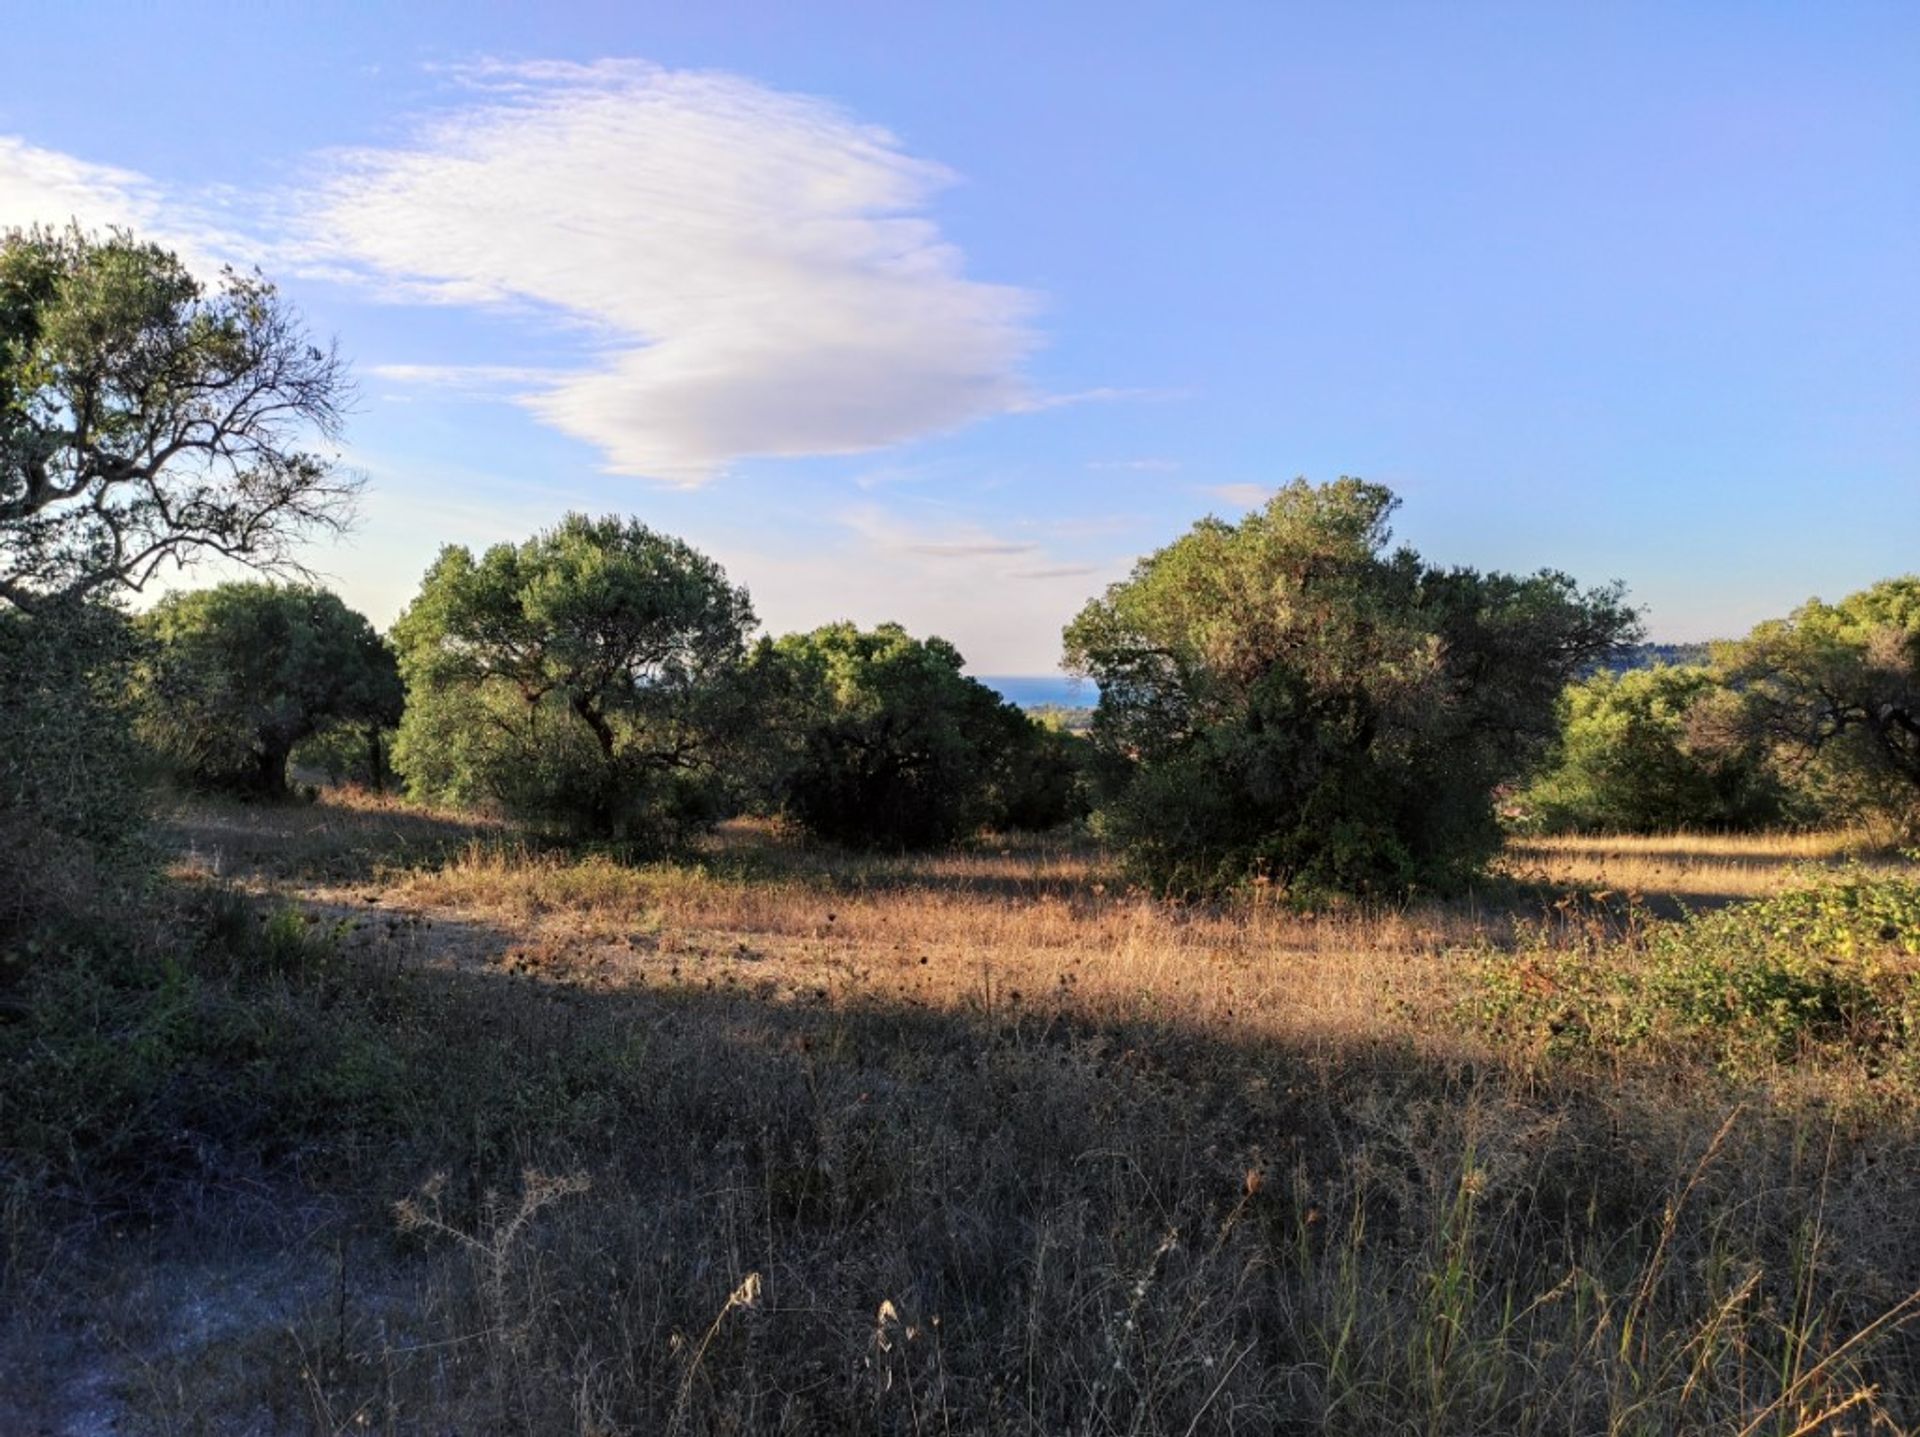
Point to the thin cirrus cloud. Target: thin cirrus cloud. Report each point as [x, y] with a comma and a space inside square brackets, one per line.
[881, 531]
[752, 271]
[1244, 496]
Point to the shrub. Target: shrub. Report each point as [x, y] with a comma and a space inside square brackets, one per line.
[1832, 967]
[882, 741]
[1637, 754]
[1285, 698]
[73, 780]
[578, 680]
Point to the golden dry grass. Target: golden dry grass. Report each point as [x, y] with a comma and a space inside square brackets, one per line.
[996, 1144]
[1034, 926]
[1691, 868]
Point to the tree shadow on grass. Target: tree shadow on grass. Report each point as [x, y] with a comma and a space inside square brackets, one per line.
[334, 839]
[1002, 1214]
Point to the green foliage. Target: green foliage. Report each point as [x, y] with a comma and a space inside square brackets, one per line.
[348, 753]
[1834, 691]
[212, 1022]
[145, 421]
[882, 741]
[1044, 775]
[579, 680]
[242, 673]
[1829, 967]
[73, 781]
[1639, 752]
[1284, 698]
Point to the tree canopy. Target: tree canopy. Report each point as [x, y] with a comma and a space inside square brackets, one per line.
[884, 742]
[1645, 752]
[148, 420]
[1834, 690]
[572, 679]
[240, 674]
[1286, 698]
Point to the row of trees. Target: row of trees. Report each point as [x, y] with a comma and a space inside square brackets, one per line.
[597, 681]
[1283, 698]
[1814, 718]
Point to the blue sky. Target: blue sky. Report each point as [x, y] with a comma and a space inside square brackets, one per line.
[946, 313]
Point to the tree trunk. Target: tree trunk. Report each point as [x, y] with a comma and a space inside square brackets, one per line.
[270, 768]
[597, 721]
[376, 759]
[606, 801]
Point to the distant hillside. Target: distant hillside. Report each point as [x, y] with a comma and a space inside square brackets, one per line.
[1035, 691]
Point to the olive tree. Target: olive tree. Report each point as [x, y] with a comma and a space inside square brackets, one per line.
[577, 679]
[1643, 752]
[1834, 691]
[878, 739]
[1287, 698]
[240, 674]
[148, 419]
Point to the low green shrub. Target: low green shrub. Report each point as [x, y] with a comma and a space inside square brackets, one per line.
[1829, 969]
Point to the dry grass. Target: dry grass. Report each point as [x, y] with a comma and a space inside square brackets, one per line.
[1694, 869]
[984, 1142]
[1032, 927]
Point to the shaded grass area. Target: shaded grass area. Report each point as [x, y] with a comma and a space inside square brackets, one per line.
[347, 835]
[1143, 1170]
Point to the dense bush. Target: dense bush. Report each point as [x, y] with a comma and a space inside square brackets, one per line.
[579, 681]
[1640, 752]
[73, 779]
[1833, 691]
[881, 740]
[1829, 968]
[241, 674]
[1285, 698]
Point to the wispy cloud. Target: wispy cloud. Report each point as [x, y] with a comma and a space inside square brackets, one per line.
[46, 187]
[753, 270]
[1058, 571]
[484, 383]
[1138, 466]
[884, 532]
[1245, 496]
[1039, 403]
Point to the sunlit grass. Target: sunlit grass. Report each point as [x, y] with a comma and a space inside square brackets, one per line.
[1692, 866]
[991, 1142]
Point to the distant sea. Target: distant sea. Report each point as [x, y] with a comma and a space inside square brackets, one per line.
[1032, 691]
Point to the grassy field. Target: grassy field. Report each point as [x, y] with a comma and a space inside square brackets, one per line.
[1689, 869]
[396, 1122]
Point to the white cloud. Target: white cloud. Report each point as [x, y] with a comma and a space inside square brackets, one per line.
[1139, 466]
[46, 187]
[1244, 496]
[964, 541]
[754, 269]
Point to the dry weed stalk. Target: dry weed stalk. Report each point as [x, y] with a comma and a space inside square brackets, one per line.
[743, 1296]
